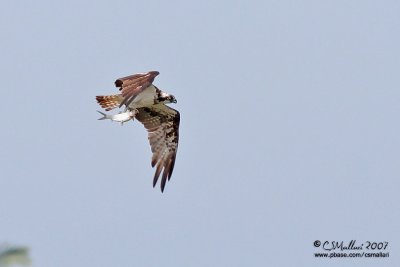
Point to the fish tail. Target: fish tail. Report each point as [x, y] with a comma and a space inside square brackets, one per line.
[104, 116]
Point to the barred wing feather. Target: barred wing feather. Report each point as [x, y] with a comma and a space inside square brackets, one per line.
[162, 124]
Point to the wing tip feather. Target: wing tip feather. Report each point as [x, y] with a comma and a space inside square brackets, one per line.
[162, 124]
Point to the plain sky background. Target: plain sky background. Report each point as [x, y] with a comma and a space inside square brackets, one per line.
[289, 131]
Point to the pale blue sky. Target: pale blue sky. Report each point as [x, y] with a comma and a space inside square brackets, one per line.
[289, 131]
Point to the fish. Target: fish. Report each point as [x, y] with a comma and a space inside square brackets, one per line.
[120, 117]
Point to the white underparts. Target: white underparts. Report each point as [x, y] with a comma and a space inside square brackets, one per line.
[145, 98]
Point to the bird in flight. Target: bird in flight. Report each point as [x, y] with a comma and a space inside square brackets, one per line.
[145, 102]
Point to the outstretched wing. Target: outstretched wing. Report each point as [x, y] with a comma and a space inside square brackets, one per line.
[133, 85]
[162, 124]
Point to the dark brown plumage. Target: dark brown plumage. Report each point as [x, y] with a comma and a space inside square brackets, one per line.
[162, 124]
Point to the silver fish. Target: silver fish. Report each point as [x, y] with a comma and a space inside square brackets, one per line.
[120, 117]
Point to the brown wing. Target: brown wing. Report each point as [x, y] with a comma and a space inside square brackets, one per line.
[133, 85]
[162, 124]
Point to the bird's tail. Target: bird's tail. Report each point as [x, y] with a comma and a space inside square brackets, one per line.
[109, 102]
[104, 116]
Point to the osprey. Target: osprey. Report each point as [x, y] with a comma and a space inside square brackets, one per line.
[145, 102]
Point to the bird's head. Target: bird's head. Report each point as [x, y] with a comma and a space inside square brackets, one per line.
[172, 99]
[166, 98]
